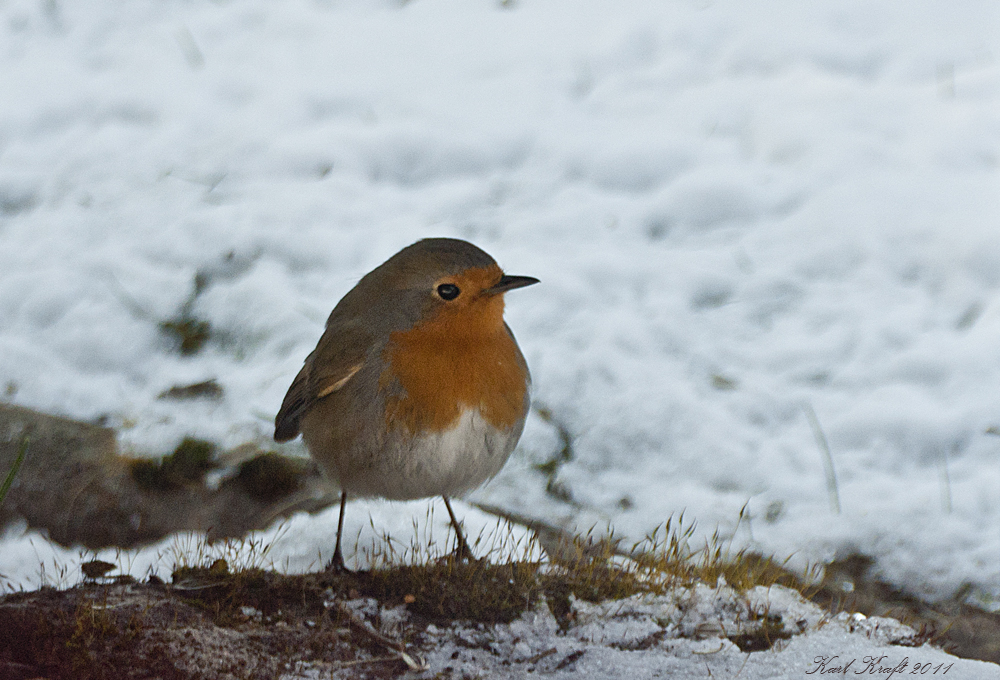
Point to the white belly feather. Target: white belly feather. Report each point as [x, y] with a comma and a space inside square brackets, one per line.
[447, 463]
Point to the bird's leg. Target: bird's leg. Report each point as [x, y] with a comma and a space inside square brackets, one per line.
[462, 549]
[337, 563]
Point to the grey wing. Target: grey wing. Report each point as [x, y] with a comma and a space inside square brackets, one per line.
[339, 355]
[293, 407]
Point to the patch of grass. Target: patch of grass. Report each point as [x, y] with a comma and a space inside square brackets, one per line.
[743, 569]
[590, 568]
[600, 569]
[440, 588]
[194, 551]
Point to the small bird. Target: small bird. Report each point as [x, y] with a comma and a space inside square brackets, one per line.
[417, 387]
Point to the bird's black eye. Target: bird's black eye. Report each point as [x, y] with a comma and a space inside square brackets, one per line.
[448, 291]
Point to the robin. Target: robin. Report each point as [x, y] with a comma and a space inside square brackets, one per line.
[417, 387]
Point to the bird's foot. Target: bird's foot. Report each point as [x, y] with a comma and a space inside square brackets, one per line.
[336, 565]
[463, 553]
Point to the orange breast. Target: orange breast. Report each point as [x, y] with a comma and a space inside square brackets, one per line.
[462, 358]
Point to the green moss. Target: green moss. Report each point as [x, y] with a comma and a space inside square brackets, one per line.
[190, 460]
[450, 589]
[550, 468]
[95, 569]
[269, 476]
[223, 593]
[762, 637]
[189, 334]
[147, 475]
[186, 465]
[92, 628]
[207, 389]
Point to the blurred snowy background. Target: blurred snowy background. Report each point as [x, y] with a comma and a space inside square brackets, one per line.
[738, 211]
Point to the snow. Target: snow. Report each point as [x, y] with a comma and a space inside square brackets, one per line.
[738, 211]
[685, 634]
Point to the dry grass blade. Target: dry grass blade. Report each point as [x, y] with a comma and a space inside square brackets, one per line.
[22, 451]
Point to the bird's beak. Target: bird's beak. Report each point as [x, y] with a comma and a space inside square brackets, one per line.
[510, 283]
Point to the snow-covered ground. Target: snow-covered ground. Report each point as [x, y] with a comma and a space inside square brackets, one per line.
[740, 212]
[683, 635]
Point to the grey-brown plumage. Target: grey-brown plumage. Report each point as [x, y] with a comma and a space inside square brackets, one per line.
[417, 387]
[391, 297]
